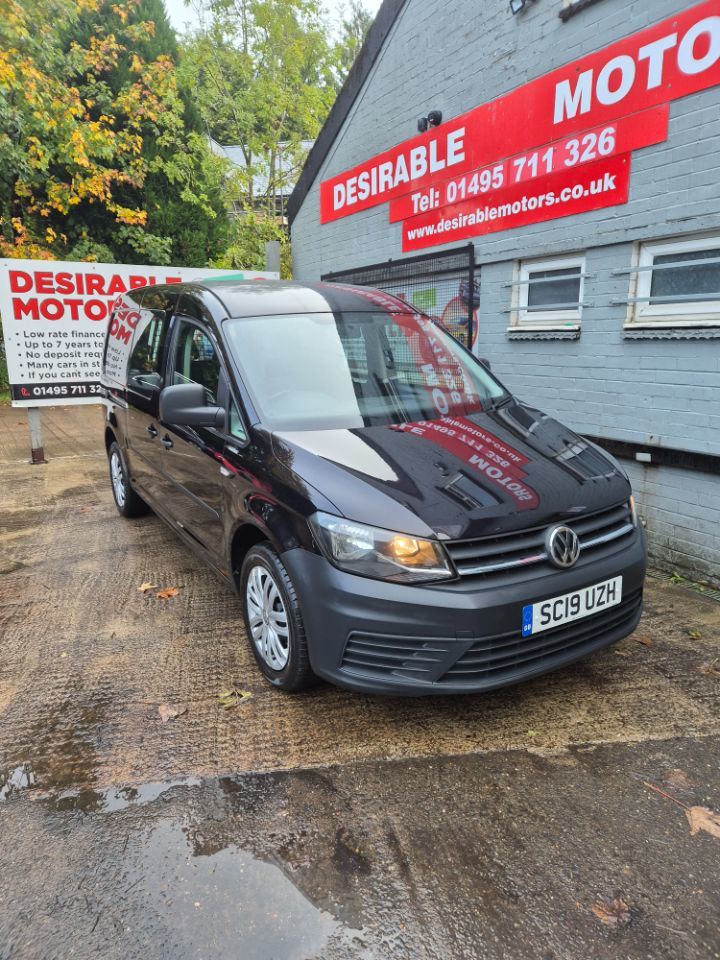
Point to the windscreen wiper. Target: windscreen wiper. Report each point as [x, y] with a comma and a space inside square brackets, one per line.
[499, 402]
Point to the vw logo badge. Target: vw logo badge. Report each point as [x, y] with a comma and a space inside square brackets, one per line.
[563, 546]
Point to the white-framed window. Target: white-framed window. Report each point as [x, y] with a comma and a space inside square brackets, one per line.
[677, 283]
[549, 293]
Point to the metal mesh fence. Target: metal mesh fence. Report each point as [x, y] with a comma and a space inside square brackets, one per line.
[443, 285]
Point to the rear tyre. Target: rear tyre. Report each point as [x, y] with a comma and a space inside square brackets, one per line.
[129, 504]
[273, 620]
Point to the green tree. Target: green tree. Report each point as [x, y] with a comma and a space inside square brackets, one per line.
[246, 245]
[263, 75]
[102, 153]
[356, 21]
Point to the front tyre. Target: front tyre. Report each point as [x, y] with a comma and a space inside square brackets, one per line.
[129, 504]
[273, 620]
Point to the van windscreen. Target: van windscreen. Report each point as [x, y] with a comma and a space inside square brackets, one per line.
[316, 371]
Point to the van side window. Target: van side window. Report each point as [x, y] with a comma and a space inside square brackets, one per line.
[236, 425]
[144, 366]
[196, 361]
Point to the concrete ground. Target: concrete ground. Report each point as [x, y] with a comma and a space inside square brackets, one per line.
[544, 821]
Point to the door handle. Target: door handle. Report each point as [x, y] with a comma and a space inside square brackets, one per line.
[166, 442]
[152, 431]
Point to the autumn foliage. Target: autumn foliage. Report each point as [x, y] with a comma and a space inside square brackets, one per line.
[95, 136]
[106, 120]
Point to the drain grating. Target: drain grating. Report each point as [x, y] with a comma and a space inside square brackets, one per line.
[703, 589]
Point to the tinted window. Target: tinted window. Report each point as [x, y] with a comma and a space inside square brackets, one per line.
[146, 357]
[196, 361]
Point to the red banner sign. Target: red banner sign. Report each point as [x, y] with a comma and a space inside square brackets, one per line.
[591, 187]
[677, 57]
[628, 134]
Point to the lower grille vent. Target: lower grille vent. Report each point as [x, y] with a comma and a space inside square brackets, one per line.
[413, 658]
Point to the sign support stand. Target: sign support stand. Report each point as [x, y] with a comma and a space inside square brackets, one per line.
[272, 256]
[37, 454]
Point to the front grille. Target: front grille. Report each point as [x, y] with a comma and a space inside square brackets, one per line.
[500, 657]
[493, 555]
[408, 658]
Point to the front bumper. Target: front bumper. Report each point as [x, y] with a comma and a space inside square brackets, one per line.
[460, 637]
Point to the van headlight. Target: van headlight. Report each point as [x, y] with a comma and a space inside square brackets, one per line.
[380, 554]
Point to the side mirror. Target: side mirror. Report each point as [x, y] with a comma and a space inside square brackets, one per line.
[185, 404]
[485, 362]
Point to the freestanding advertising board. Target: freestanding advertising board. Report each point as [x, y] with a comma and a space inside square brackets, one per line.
[55, 315]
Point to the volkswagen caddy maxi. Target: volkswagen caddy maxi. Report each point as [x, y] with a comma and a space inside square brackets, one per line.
[392, 518]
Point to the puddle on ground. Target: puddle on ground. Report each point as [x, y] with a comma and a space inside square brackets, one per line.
[221, 867]
[232, 904]
[116, 798]
[23, 777]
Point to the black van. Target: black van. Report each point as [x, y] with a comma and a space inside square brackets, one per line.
[392, 518]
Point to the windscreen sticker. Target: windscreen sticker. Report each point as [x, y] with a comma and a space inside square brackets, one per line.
[449, 387]
[127, 324]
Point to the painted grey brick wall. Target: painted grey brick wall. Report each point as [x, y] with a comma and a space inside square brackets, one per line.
[644, 391]
[681, 512]
[455, 55]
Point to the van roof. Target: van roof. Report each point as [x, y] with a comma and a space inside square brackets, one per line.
[254, 298]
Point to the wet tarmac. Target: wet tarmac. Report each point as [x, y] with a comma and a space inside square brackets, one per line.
[519, 824]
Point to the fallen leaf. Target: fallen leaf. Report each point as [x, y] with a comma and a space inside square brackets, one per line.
[709, 669]
[613, 913]
[85, 509]
[171, 713]
[167, 593]
[231, 698]
[694, 634]
[642, 638]
[144, 587]
[532, 733]
[701, 818]
[622, 653]
[678, 780]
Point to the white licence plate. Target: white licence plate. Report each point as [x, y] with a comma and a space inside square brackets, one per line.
[571, 606]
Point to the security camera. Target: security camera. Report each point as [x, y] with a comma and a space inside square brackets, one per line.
[433, 119]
